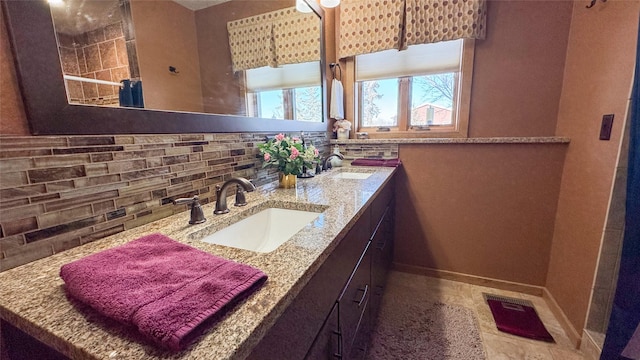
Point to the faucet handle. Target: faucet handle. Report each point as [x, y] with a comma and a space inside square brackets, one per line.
[241, 200]
[328, 165]
[197, 215]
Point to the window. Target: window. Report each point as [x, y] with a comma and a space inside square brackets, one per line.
[287, 92]
[422, 91]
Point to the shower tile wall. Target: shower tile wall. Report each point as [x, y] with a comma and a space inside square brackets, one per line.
[608, 265]
[98, 54]
[60, 192]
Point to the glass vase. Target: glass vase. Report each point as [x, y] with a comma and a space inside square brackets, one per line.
[286, 181]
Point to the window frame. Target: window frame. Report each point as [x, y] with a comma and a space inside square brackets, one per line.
[461, 106]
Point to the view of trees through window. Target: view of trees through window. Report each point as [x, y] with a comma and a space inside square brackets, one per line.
[303, 104]
[308, 104]
[431, 98]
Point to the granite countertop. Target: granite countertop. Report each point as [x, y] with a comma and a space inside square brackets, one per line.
[471, 140]
[33, 297]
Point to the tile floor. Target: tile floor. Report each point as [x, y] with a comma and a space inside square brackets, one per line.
[498, 345]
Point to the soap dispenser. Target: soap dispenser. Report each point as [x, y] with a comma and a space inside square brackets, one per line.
[336, 161]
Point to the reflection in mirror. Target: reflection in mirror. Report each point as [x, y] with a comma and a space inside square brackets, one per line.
[239, 57]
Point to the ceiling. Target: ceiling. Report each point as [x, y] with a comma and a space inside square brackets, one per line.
[74, 17]
[199, 4]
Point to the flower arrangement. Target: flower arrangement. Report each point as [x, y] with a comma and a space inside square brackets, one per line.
[341, 128]
[341, 125]
[287, 154]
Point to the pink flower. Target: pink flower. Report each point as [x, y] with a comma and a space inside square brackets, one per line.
[280, 137]
[294, 153]
[316, 152]
[295, 139]
[267, 157]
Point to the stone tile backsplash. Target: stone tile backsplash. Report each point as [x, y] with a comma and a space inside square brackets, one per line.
[379, 151]
[60, 192]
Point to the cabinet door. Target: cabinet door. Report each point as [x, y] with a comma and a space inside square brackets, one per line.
[382, 256]
[354, 318]
[328, 343]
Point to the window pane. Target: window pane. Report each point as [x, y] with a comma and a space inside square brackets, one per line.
[270, 104]
[379, 103]
[432, 99]
[308, 104]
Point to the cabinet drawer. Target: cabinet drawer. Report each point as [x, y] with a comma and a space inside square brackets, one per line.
[382, 201]
[353, 303]
[327, 344]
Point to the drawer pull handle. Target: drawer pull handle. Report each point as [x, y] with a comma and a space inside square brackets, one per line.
[364, 295]
[338, 355]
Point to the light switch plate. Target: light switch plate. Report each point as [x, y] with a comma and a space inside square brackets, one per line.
[605, 128]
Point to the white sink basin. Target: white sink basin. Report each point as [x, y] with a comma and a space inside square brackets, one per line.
[264, 231]
[351, 175]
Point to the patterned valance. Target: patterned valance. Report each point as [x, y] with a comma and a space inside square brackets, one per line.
[251, 43]
[297, 38]
[368, 26]
[434, 21]
[274, 38]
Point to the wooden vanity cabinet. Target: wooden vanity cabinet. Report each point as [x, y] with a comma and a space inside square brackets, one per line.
[345, 333]
[383, 219]
[381, 258]
[353, 305]
[348, 321]
[332, 316]
[294, 332]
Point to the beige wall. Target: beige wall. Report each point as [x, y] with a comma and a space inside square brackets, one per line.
[597, 81]
[517, 74]
[480, 209]
[166, 35]
[12, 117]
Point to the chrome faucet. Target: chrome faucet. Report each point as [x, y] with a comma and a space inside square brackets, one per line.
[326, 165]
[197, 215]
[221, 193]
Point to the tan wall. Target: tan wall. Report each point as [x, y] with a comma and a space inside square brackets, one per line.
[221, 89]
[12, 117]
[482, 209]
[597, 81]
[166, 35]
[517, 74]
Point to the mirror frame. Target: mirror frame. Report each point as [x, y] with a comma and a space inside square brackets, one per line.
[39, 71]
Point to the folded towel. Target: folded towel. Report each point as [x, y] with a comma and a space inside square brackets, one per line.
[162, 287]
[376, 162]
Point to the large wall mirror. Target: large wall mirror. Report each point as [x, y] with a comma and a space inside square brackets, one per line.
[169, 66]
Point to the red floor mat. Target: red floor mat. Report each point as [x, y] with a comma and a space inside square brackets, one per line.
[517, 317]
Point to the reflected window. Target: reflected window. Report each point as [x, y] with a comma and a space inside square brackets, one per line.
[270, 104]
[287, 92]
[308, 104]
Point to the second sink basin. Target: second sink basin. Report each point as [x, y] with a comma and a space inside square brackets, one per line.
[351, 175]
[264, 231]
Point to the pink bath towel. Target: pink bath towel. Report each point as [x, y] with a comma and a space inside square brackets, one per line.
[162, 287]
[376, 162]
